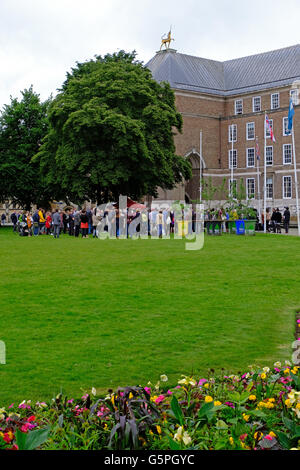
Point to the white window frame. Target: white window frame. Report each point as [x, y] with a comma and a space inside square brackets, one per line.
[268, 135]
[247, 157]
[229, 158]
[240, 102]
[285, 121]
[278, 101]
[253, 105]
[267, 188]
[252, 196]
[284, 178]
[234, 133]
[247, 131]
[294, 94]
[270, 147]
[284, 154]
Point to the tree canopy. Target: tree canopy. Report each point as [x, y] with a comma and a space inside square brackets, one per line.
[111, 132]
[23, 124]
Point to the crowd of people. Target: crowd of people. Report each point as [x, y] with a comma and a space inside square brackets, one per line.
[275, 220]
[84, 222]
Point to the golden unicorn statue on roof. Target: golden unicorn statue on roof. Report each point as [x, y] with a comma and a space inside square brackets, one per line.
[166, 41]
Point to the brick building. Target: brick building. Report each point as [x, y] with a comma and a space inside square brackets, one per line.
[227, 101]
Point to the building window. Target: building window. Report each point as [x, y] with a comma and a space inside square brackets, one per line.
[269, 156]
[295, 96]
[238, 105]
[285, 126]
[275, 103]
[287, 154]
[250, 131]
[256, 104]
[250, 188]
[232, 159]
[268, 134]
[232, 186]
[287, 187]
[269, 188]
[250, 158]
[232, 132]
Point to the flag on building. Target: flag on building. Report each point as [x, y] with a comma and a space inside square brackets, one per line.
[291, 115]
[257, 150]
[269, 128]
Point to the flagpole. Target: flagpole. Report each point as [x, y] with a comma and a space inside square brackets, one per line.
[231, 190]
[258, 181]
[200, 158]
[265, 178]
[296, 180]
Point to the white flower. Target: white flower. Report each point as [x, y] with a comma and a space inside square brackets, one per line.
[266, 370]
[277, 364]
[94, 391]
[164, 378]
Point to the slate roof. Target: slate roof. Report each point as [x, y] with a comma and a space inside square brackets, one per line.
[247, 74]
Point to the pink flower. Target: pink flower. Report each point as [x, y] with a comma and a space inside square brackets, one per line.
[169, 392]
[10, 406]
[201, 382]
[159, 399]
[147, 390]
[228, 403]
[270, 438]
[70, 401]
[25, 427]
[84, 397]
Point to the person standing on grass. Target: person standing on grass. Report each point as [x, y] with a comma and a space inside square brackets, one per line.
[36, 223]
[29, 221]
[48, 223]
[3, 219]
[278, 220]
[76, 223]
[286, 219]
[71, 222]
[14, 220]
[95, 221]
[42, 221]
[84, 223]
[56, 223]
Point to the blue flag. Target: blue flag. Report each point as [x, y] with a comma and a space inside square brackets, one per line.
[291, 115]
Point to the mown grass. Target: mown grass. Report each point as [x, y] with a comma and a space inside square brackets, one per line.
[78, 313]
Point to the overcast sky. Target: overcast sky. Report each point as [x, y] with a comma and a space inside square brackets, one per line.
[40, 40]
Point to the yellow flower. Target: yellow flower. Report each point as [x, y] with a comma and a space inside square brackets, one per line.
[258, 435]
[217, 403]
[263, 376]
[286, 371]
[246, 417]
[272, 434]
[130, 396]
[206, 385]
[208, 399]
[231, 440]
[252, 397]
[158, 428]
[288, 403]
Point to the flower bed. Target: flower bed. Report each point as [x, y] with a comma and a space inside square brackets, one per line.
[257, 410]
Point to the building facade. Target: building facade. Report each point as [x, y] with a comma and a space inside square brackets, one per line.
[223, 105]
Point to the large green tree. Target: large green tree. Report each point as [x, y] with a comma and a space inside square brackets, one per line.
[112, 132]
[23, 125]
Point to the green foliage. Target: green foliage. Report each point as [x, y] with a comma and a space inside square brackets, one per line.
[111, 132]
[23, 124]
[32, 439]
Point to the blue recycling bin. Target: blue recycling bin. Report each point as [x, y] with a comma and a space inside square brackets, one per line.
[240, 227]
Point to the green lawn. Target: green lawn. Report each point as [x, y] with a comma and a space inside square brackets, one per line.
[78, 313]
